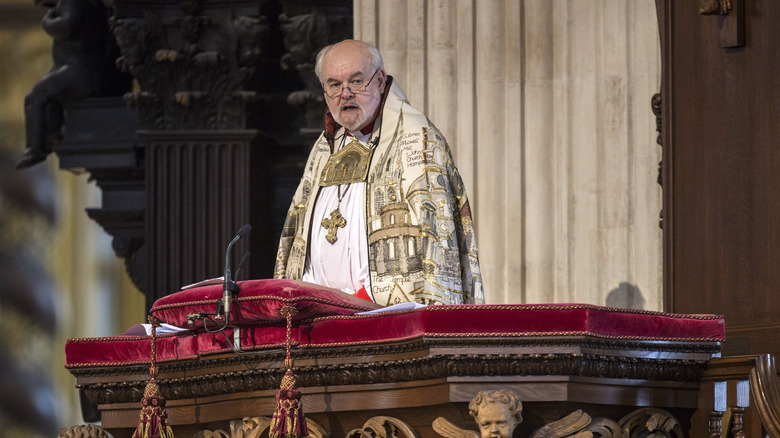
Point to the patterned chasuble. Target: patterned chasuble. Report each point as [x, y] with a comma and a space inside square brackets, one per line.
[420, 234]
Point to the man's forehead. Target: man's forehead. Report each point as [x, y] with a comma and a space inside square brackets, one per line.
[337, 64]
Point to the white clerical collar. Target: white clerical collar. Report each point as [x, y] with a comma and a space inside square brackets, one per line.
[360, 136]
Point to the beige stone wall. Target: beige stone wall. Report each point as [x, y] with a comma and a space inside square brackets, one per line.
[546, 104]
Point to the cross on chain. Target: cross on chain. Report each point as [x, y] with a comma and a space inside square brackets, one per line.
[335, 222]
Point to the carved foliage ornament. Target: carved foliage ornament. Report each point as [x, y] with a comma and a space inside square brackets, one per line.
[83, 431]
[383, 427]
[404, 370]
[304, 36]
[254, 427]
[254, 379]
[497, 414]
[195, 81]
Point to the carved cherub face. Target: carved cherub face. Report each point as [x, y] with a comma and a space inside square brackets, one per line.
[497, 413]
[495, 420]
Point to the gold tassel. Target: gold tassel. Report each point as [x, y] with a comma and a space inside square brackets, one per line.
[153, 421]
[288, 420]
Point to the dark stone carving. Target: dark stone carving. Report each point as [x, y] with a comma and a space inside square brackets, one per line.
[304, 36]
[191, 68]
[83, 53]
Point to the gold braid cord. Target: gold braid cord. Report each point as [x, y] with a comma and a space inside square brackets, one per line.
[153, 421]
[288, 420]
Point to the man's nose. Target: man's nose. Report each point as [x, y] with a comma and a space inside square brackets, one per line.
[346, 89]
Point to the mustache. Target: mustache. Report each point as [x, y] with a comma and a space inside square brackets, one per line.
[350, 102]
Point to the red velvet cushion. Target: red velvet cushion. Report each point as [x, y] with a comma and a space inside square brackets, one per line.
[457, 321]
[517, 320]
[252, 338]
[129, 350]
[260, 300]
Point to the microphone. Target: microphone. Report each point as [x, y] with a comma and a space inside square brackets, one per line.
[230, 286]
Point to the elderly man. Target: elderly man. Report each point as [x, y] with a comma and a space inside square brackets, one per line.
[381, 211]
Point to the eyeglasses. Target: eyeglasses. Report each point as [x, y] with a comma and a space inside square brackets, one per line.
[355, 86]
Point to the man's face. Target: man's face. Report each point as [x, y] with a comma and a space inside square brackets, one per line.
[495, 421]
[344, 64]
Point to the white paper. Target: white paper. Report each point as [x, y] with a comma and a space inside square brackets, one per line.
[210, 281]
[394, 307]
[162, 329]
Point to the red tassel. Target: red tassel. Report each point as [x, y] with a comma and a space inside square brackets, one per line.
[288, 420]
[153, 422]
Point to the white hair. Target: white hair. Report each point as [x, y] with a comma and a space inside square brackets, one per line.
[373, 53]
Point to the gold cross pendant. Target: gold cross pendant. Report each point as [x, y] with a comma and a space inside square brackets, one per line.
[335, 222]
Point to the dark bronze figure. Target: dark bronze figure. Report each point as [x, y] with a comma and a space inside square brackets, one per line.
[83, 52]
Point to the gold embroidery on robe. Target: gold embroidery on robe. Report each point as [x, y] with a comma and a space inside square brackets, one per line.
[347, 165]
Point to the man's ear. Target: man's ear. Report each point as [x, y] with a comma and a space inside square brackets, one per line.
[382, 76]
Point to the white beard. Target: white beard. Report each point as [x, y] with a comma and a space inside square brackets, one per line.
[362, 118]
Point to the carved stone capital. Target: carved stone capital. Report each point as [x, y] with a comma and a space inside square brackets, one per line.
[304, 36]
[191, 65]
